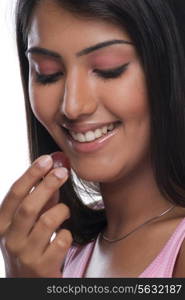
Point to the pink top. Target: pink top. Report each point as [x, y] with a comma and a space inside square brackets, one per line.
[162, 266]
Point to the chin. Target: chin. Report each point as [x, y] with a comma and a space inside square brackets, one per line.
[95, 176]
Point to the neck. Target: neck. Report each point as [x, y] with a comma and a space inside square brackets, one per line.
[131, 201]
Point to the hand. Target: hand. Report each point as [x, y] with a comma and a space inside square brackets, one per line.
[25, 233]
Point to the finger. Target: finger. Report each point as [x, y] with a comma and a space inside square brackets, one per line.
[56, 196]
[57, 250]
[27, 214]
[51, 202]
[22, 187]
[40, 236]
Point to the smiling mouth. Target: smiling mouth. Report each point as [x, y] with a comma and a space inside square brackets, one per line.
[86, 138]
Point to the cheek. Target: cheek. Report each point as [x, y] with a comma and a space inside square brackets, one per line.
[44, 102]
[127, 100]
[127, 97]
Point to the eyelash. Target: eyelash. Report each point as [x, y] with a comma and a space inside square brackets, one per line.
[106, 75]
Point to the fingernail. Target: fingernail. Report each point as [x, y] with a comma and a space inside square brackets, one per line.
[44, 161]
[61, 172]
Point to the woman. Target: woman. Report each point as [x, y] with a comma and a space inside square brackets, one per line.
[103, 83]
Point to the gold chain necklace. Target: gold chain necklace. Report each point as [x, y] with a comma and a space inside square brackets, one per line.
[148, 221]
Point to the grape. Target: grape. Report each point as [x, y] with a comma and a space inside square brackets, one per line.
[60, 160]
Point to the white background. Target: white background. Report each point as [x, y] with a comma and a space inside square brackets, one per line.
[13, 137]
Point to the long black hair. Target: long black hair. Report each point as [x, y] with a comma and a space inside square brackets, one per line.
[157, 29]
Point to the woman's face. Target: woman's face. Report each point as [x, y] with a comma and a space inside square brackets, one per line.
[81, 90]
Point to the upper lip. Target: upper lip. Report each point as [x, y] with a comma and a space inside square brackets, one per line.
[86, 127]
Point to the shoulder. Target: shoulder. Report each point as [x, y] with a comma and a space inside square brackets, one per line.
[179, 238]
[179, 269]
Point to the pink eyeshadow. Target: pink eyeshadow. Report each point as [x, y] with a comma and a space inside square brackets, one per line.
[107, 61]
[47, 66]
[110, 58]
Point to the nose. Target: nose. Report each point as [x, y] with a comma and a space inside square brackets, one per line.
[78, 98]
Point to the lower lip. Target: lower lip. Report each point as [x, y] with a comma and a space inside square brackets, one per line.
[94, 145]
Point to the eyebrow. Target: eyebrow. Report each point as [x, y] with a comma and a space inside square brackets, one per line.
[43, 51]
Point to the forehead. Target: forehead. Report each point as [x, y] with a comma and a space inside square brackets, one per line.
[53, 26]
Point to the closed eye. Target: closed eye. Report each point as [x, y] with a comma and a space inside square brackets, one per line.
[104, 74]
[113, 73]
[47, 79]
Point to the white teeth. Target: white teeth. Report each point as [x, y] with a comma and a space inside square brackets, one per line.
[98, 133]
[110, 127]
[104, 129]
[80, 137]
[91, 135]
